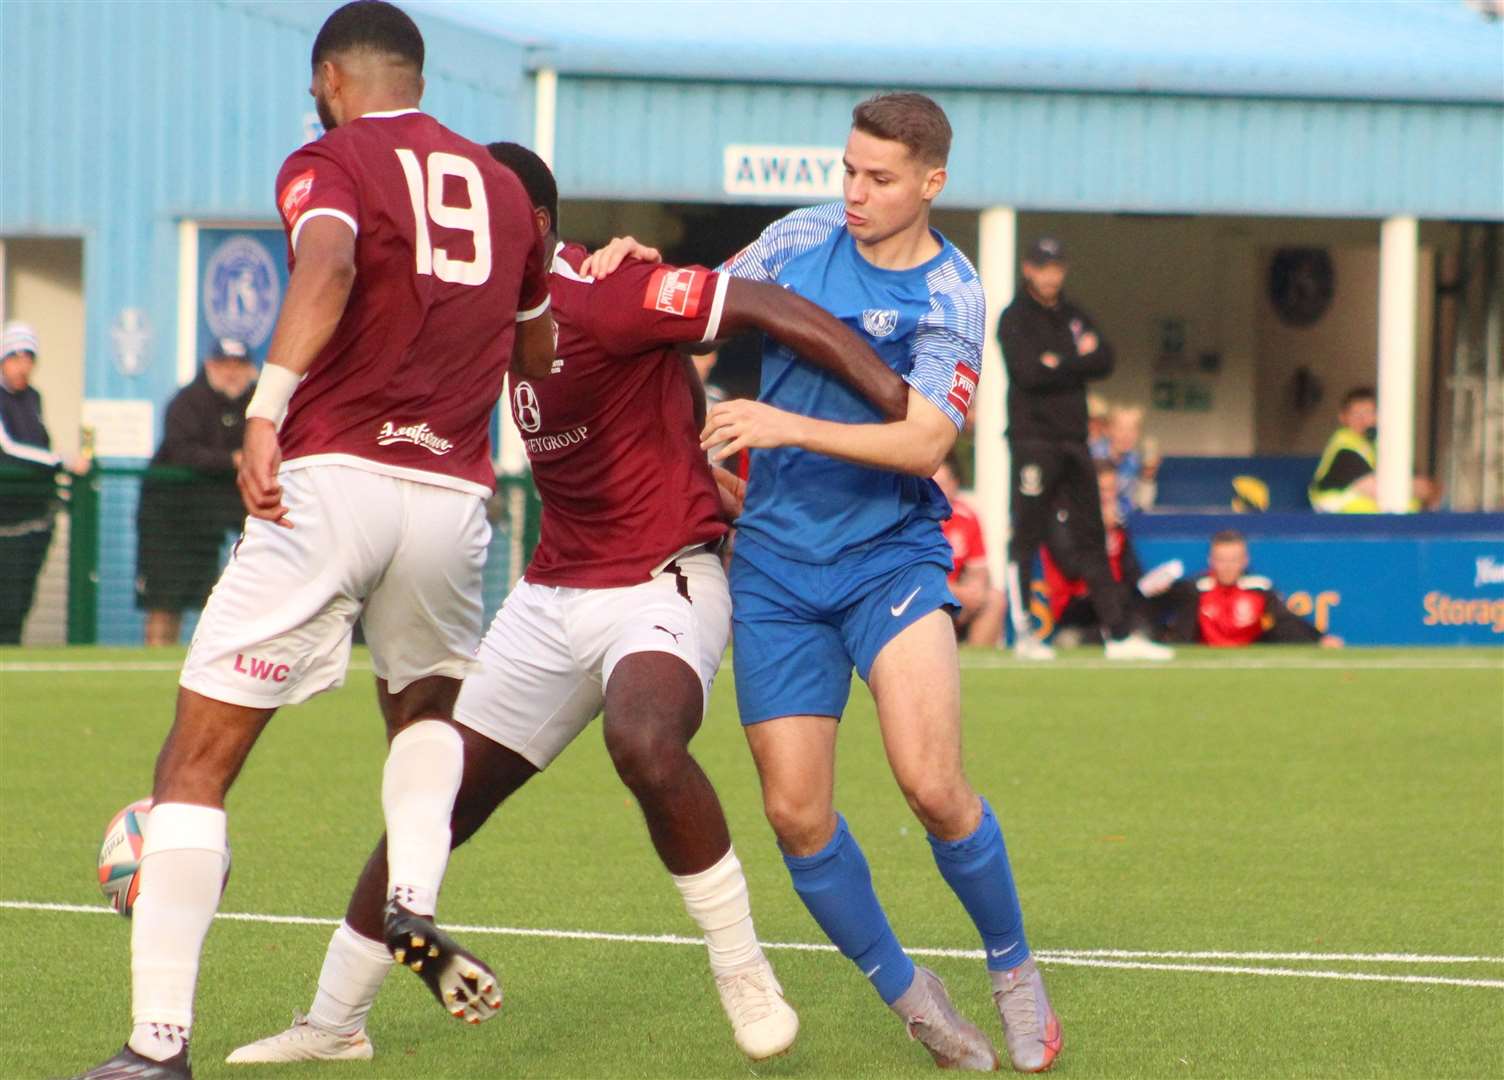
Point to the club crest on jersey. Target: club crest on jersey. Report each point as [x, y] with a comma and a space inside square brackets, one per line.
[1031, 481]
[879, 322]
[525, 407]
[963, 384]
[295, 195]
[676, 292]
[419, 434]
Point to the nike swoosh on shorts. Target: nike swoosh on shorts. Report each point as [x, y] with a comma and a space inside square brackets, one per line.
[899, 609]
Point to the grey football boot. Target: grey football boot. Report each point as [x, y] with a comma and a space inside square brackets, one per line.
[1030, 1026]
[952, 1040]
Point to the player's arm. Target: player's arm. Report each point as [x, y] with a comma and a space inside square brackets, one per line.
[915, 445]
[322, 276]
[533, 345]
[819, 338]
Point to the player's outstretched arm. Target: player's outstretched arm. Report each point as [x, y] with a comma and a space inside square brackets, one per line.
[322, 277]
[819, 338]
[916, 445]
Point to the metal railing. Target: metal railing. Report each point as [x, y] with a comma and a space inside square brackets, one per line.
[87, 592]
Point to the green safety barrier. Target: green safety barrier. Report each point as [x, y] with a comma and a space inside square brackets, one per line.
[100, 508]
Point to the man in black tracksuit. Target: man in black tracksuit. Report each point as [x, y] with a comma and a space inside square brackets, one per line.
[1052, 351]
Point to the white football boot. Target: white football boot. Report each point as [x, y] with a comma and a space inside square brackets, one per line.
[763, 1023]
[304, 1041]
[1137, 647]
[1029, 647]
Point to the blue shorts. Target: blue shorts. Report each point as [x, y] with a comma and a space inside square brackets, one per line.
[800, 628]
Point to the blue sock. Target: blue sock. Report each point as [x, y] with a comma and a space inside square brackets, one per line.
[976, 868]
[836, 886]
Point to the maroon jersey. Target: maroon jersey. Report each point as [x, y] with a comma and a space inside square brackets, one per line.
[447, 261]
[611, 435]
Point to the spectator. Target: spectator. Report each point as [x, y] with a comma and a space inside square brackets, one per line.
[27, 470]
[969, 580]
[1229, 607]
[1134, 458]
[1096, 424]
[188, 498]
[1052, 350]
[1346, 481]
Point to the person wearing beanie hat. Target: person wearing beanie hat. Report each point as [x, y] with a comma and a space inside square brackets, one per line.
[27, 469]
[188, 499]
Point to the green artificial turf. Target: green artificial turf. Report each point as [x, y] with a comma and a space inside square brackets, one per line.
[1283, 801]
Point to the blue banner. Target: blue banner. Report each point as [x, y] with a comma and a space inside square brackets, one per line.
[1421, 585]
[242, 277]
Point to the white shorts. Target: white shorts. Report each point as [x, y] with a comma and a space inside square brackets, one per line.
[546, 660]
[404, 556]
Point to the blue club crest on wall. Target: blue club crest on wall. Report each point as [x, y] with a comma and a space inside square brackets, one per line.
[241, 291]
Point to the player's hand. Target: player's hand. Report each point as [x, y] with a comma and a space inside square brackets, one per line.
[1086, 344]
[603, 263]
[1049, 360]
[733, 492]
[260, 458]
[734, 426]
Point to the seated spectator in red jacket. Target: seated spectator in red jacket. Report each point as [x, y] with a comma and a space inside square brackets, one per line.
[969, 579]
[1229, 607]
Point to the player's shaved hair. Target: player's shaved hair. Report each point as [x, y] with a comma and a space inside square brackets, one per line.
[374, 26]
[1229, 536]
[537, 178]
[912, 119]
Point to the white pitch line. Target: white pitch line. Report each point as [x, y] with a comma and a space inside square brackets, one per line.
[1100, 958]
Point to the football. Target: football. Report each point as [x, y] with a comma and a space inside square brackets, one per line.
[120, 856]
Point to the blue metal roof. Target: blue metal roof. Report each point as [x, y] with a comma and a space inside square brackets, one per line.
[1388, 50]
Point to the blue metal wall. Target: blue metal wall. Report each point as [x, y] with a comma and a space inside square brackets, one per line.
[121, 119]
[635, 139]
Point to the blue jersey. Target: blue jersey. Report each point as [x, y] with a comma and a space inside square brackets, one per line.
[926, 323]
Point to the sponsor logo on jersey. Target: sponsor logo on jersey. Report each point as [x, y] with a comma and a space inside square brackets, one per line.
[879, 322]
[1030, 481]
[241, 291]
[676, 292]
[525, 408]
[963, 384]
[295, 196]
[419, 434]
[545, 444]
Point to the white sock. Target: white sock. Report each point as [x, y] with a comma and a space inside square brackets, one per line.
[183, 862]
[422, 776]
[354, 967]
[717, 900]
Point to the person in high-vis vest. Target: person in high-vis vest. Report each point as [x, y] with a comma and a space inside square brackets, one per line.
[1346, 480]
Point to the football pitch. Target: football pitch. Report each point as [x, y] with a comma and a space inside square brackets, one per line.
[1261, 863]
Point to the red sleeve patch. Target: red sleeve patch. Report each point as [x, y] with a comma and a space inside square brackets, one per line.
[963, 384]
[295, 196]
[675, 291]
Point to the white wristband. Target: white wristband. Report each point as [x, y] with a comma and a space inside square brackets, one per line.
[274, 390]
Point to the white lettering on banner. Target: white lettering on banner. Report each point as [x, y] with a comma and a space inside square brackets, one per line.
[543, 444]
[800, 171]
[1490, 572]
[419, 434]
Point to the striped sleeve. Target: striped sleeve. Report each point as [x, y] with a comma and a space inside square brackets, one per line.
[947, 344]
[763, 258]
[37, 455]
